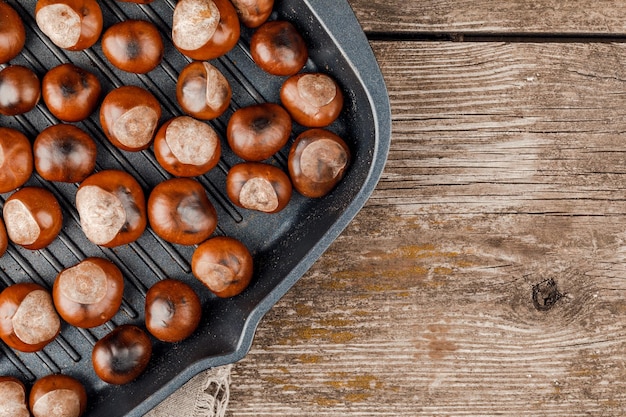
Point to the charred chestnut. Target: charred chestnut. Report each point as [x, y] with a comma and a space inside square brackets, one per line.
[129, 116]
[112, 208]
[64, 153]
[202, 91]
[16, 159]
[173, 310]
[258, 186]
[318, 160]
[179, 211]
[12, 33]
[58, 396]
[224, 265]
[205, 29]
[133, 46]
[28, 320]
[70, 92]
[122, 355]
[33, 217]
[313, 100]
[253, 13]
[278, 48]
[13, 397]
[70, 24]
[20, 90]
[89, 293]
[187, 147]
[257, 132]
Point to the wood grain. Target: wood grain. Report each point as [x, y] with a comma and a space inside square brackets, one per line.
[507, 168]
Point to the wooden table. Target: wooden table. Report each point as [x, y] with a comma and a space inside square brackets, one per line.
[507, 170]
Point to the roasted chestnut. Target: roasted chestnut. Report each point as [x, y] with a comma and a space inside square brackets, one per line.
[278, 48]
[202, 91]
[173, 310]
[28, 321]
[313, 99]
[129, 116]
[179, 211]
[187, 147]
[58, 396]
[4, 238]
[258, 186]
[318, 160]
[12, 397]
[12, 33]
[16, 159]
[33, 217]
[20, 90]
[257, 132]
[133, 46]
[70, 24]
[89, 293]
[122, 355]
[70, 92]
[112, 208]
[205, 29]
[224, 265]
[253, 13]
[64, 153]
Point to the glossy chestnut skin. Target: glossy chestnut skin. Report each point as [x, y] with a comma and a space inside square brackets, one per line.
[122, 355]
[278, 48]
[89, 293]
[112, 208]
[258, 186]
[253, 13]
[58, 395]
[179, 211]
[129, 117]
[20, 90]
[208, 34]
[187, 147]
[28, 320]
[12, 33]
[173, 310]
[13, 397]
[202, 91]
[312, 99]
[133, 46]
[257, 132]
[224, 265]
[318, 160]
[70, 92]
[70, 24]
[64, 153]
[33, 217]
[4, 238]
[16, 159]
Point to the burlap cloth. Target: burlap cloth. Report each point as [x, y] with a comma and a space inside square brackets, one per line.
[205, 395]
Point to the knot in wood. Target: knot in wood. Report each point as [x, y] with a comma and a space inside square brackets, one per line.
[545, 295]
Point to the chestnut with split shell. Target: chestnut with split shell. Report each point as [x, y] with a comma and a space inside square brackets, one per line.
[12, 33]
[20, 90]
[70, 92]
[12, 397]
[16, 159]
[258, 186]
[58, 396]
[253, 13]
[133, 46]
[173, 310]
[202, 91]
[278, 48]
[312, 99]
[70, 24]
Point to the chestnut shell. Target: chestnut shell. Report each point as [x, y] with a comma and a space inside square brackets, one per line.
[173, 310]
[133, 46]
[20, 90]
[90, 22]
[258, 186]
[71, 93]
[12, 33]
[68, 389]
[16, 159]
[278, 48]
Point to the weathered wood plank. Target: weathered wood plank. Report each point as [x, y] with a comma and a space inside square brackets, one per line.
[507, 168]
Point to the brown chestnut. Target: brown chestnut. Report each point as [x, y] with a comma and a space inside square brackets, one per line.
[129, 116]
[202, 91]
[58, 396]
[33, 217]
[253, 13]
[179, 211]
[318, 160]
[312, 99]
[133, 46]
[205, 29]
[224, 265]
[173, 310]
[12, 397]
[278, 48]
[64, 153]
[187, 147]
[4, 238]
[70, 24]
[20, 90]
[12, 33]
[70, 92]
[112, 208]
[257, 132]
[258, 186]
[16, 159]
[89, 293]
[28, 320]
